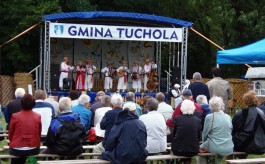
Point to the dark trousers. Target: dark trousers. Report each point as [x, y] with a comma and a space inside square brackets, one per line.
[22, 154]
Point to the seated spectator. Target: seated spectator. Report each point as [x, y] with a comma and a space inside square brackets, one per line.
[83, 110]
[46, 111]
[97, 104]
[13, 106]
[99, 114]
[174, 93]
[66, 132]
[145, 99]
[216, 136]
[130, 97]
[127, 139]
[108, 120]
[155, 124]
[249, 127]
[167, 111]
[186, 132]
[25, 131]
[186, 95]
[202, 101]
[54, 103]
[73, 94]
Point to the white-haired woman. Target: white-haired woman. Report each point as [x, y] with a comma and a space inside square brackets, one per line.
[216, 136]
[186, 132]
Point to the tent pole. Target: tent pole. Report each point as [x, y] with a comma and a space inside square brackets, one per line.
[212, 43]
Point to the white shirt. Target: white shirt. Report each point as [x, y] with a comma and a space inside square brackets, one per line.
[156, 131]
[99, 114]
[165, 109]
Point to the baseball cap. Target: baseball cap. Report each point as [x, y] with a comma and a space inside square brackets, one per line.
[187, 92]
[131, 106]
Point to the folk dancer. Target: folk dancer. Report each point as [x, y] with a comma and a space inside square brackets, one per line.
[90, 69]
[80, 76]
[122, 73]
[65, 69]
[147, 70]
[136, 77]
[109, 73]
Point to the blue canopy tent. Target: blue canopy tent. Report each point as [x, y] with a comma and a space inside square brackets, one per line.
[250, 54]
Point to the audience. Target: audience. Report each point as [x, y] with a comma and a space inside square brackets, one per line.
[130, 97]
[13, 106]
[186, 132]
[97, 104]
[66, 132]
[156, 128]
[220, 87]
[54, 103]
[186, 95]
[216, 136]
[73, 94]
[25, 131]
[202, 101]
[198, 87]
[127, 139]
[82, 109]
[108, 120]
[249, 126]
[46, 111]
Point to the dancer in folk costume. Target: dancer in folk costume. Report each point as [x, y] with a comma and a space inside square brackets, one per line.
[65, 69]
[90, 69]
[122, 72]
[136, 77]
[147, 69]
[80, 76]
[109, 72]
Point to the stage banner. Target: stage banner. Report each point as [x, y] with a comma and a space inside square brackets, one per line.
[81, 31]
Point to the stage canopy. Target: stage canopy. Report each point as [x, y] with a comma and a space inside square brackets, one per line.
[250, 54]
[117, 18]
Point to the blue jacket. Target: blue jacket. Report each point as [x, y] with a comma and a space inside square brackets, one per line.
[199, 88]
[65, 135]
[126, 141]
[85, 114]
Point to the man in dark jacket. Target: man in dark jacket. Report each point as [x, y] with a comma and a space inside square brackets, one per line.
[127, 139]
[66, 132]
[13, 106]
[198, 87]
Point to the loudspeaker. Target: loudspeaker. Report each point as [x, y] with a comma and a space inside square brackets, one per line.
[67, 84]
[176, 75]
[163, 85]
[55, 76]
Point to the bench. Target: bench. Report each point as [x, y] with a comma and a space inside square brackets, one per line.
[248, 161]
[100, 161]
[210, 156]
[85, 147]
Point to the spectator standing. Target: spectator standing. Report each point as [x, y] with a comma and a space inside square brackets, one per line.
[127, 139]
[46, 111]
[220, 87]
[249, 126]
[130, 97]
[186, 132]
[216, 136]
[83, 110]
[198, 87]
[174, 93]
[156, 128]
[13, 106]
[66, 132]
[24, 134]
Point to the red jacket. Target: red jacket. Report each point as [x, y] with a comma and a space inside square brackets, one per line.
[177, 112]
[25, 129]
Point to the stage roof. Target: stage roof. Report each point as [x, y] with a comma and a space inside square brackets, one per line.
[116, 18]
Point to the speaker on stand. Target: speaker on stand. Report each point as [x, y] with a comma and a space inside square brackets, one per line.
[176, 75]
[55, 76]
